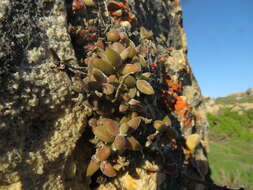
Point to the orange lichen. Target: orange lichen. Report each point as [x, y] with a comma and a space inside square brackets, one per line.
[77, 5]
[161, 59]
[120, 12]
[184, 112]
[171, 101]
[181, 105]
[177, 2]
[167, 101]
[174, 87]
[171, 90]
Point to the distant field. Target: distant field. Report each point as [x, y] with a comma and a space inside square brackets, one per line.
[231, 149]
[232, 163]
[234, 99]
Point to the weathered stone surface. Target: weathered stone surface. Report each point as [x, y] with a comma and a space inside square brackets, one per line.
[39, 123]
[42, 109]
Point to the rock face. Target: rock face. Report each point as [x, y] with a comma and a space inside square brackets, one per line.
[46, 142]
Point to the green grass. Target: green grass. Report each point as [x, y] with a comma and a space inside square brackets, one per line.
[231, 165]
[231, 149]
[232, 123]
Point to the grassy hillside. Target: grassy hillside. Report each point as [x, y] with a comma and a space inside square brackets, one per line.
[234, 99]
[243, 97]
[231, 148]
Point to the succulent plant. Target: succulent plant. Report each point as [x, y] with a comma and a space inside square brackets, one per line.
[102, 133]
[99, 76]
[107, 88]
[92, 122]
[102, 65]
[159, 125]
[117, 47]
[133, 102]
[112, 57]
[114, 81]
[146, 75]
[113, 36]
[120, 143]
[132, 92]
[123, 129]
[124, 119]
[192, 141]
[117, 90]
[110, 125]
[131, 52]
[166, 120]
[89, 2]
[131, 68]
[134, 145]
[107, 169]
[93, 166]
[94, 85]
[163, 125]
[130, 81]
[123, 107]
[103, 153]
[134, 123]
[144, 87]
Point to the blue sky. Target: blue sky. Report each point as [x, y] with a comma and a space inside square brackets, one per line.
[220, 42]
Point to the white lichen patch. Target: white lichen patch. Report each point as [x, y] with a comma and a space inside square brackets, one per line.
[14, 186]
[4, 4]
[190, 92]
[34, 101]
[35, 55]
[61, 20]
[176, 61]
[55, 26]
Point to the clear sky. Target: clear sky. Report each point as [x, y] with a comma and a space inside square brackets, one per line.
[220, 42]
